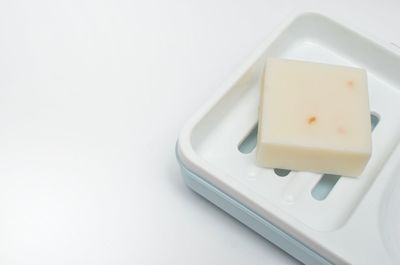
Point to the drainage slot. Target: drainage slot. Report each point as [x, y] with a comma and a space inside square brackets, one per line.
[249, 142]
[324, 186]
[374, 120]
[281, 172]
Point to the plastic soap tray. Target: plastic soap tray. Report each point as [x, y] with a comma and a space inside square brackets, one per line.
[317, 219]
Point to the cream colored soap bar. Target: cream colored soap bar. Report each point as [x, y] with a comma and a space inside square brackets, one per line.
[314, 117]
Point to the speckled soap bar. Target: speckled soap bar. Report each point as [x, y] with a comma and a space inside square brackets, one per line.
[314, 117]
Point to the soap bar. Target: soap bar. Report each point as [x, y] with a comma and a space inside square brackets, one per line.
[314, 117]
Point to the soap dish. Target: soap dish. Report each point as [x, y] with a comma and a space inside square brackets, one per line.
[318, 219]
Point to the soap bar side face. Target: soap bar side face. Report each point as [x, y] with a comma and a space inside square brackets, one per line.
[318, 108]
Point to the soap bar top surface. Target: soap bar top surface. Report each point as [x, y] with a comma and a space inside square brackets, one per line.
[316, 105]
[314, 117]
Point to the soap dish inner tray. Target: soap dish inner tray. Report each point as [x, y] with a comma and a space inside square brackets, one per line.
[341, 217]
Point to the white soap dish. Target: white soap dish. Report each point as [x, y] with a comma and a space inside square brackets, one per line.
[319, 219]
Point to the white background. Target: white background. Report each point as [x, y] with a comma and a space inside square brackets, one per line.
[92, 97]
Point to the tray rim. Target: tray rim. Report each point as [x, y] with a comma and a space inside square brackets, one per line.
[249, 218]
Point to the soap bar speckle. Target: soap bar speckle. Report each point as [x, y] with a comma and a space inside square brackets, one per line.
[350, 83]
[312, 120]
